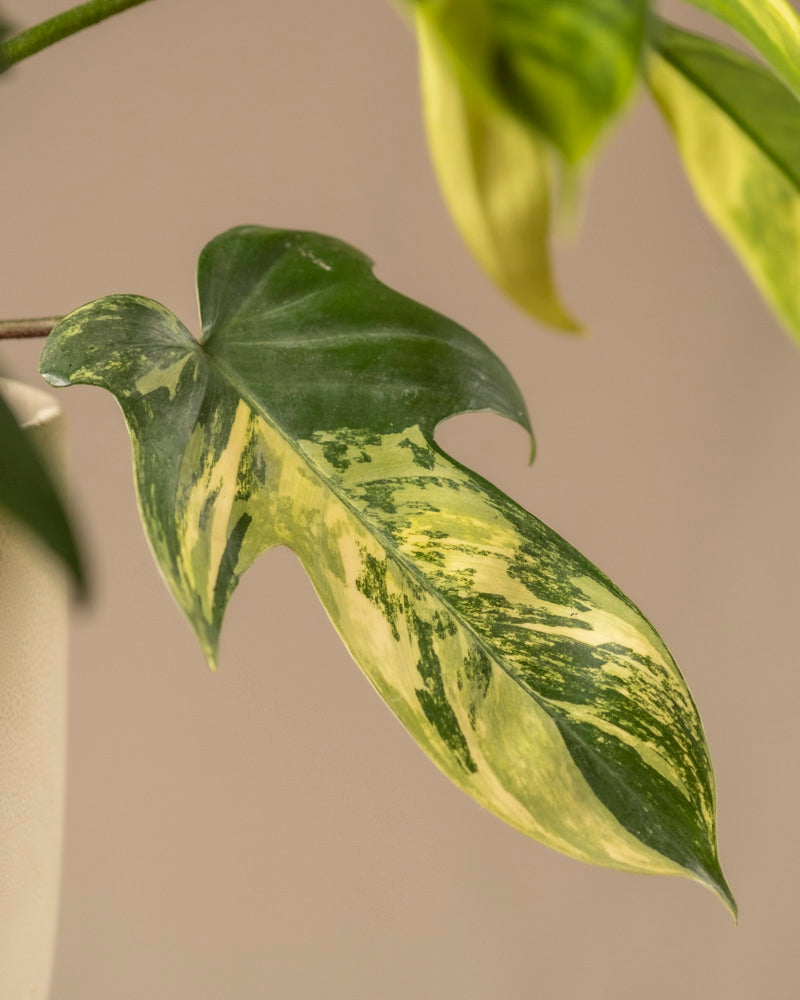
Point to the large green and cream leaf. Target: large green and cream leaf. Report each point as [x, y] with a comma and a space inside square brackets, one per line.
[305, 417]
[737, 128]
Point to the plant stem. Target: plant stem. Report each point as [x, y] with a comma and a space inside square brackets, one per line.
[34, 39]
[17, 329]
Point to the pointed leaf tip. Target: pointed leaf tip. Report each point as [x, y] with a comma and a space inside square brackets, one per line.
[712, 877]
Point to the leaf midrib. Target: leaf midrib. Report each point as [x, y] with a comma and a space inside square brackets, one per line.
[382, 536]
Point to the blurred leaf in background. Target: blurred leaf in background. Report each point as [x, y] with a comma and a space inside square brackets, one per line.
[564, 68]
[496, 178]
[306, 418]
[513, 91]
[27, 491]
[770, 26]
[5, 31]
[737, 128]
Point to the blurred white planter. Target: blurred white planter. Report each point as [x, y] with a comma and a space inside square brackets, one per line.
[33, 676]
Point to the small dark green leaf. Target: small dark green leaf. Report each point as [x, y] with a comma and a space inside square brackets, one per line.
[564, 67]
[305, 417]
[27, 491]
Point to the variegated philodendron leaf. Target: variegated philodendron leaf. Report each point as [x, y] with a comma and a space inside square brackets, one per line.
[737, 128]
[305, 417]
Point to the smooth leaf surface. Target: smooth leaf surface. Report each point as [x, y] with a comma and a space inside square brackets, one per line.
[563, 67]
[306, 418]
[771, 26]
[737, 128]
[495, 176]
[28, 493]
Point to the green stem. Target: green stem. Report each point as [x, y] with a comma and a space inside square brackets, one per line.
[17, 329]
[34, 39]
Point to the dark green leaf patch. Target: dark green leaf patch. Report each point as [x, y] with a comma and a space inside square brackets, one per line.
[433, 697]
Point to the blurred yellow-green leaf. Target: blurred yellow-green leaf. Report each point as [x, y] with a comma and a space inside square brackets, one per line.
[28, 493]
[495, 177]
[563, 67]
[513, 90]
[737, 128]
[771, 26]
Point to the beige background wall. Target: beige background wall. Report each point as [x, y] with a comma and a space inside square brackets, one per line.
[271, 831]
